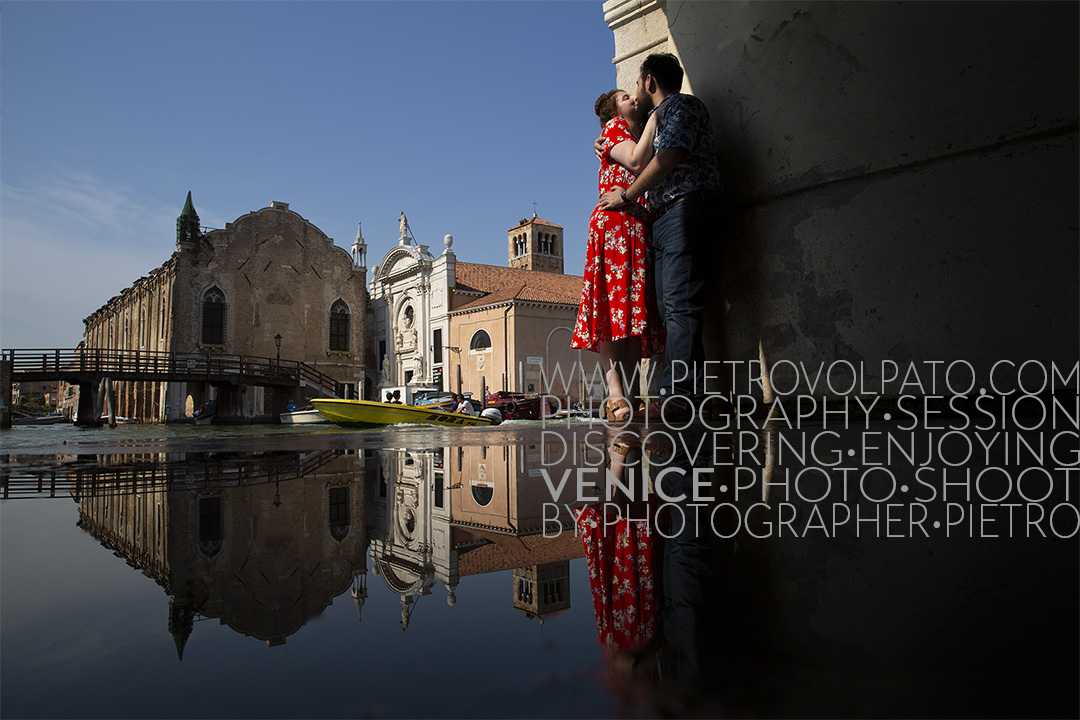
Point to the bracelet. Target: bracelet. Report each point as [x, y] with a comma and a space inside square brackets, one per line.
[622, 194]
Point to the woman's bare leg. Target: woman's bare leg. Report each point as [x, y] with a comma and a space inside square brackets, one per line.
[617, 358]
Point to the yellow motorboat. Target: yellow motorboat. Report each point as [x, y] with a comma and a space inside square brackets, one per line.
[366, 413]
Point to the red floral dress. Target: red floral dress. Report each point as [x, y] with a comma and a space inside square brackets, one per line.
[618, 299]
[620, 557]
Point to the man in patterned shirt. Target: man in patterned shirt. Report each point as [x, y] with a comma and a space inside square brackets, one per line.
[682, 182]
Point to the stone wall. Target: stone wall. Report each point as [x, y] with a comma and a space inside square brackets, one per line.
[901, 178]
[280, 275]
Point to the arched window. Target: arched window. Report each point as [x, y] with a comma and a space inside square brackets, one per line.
[480, 340]
[482, 494]
[211, 525]
[339, 512]
[339, 326]
[213, 317]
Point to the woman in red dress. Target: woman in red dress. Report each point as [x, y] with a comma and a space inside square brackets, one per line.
[618, 317]
[622, 549]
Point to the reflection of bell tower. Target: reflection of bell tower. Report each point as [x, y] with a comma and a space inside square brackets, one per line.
[181, 621]
[542, 591]
[536, 244]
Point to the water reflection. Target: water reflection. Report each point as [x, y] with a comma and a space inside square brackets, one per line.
[261, 542]
[265, 541]
[692, 599]
[658, 568]
[442, 515]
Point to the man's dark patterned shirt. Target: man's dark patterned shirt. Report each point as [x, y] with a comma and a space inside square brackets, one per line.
[684, 123]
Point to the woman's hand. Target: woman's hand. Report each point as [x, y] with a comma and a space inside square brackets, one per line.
[598, 148]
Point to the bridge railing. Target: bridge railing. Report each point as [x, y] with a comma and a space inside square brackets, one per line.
[327, 385]
[137, 476]
[110, 361]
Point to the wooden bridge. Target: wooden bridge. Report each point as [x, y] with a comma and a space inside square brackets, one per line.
[95, 475]
[92, 369]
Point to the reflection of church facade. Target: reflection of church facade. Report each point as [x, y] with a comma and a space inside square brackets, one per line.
[267, 542]
[229, 548]
[466, 326]
[443, 515]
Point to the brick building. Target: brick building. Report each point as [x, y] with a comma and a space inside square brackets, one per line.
[467, 326]
[231, 291]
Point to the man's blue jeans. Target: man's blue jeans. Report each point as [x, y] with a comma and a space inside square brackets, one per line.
[679, 236]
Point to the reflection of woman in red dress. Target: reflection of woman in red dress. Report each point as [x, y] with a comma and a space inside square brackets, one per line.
[618, 317]
[620, 546]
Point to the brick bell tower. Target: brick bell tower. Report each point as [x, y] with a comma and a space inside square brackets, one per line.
[535, 244]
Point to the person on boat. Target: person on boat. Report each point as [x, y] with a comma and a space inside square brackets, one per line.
[464, 406]
[389, 397]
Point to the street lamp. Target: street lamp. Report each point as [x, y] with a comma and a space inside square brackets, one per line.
[277, 342]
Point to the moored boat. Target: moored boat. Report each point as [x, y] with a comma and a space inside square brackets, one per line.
[522, 406]
[50, 419]
[366, 413]
[306, 416]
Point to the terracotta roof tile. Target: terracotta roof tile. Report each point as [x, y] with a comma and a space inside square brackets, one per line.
[504, 552]
[501, 284]
[536, 221]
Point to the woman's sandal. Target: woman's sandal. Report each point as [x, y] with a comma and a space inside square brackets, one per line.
[617, 410]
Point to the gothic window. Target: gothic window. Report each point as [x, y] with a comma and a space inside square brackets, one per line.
[339, 512]
[164, 316]
[480, 341]
[339, 326]
[211, 525]
[213, 317]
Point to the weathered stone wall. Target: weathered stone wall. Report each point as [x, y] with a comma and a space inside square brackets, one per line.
[280, 275]
[139, 318]
[901, 177]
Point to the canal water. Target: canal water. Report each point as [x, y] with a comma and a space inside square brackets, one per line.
[270, 571]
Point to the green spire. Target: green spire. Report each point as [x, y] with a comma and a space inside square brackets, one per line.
[181, 621]
[187, 225]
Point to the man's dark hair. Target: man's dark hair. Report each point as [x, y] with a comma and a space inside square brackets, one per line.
[665, 69]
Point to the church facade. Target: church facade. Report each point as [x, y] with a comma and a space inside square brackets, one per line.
[270, 276]
[470, 327]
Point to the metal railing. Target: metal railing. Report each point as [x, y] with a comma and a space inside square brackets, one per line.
[59, 364]
[140, 477]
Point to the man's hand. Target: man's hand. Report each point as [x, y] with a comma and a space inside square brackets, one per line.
[612, 200]
[598, 148]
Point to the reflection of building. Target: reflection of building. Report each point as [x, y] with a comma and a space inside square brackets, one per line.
[269, 273]
[443, 515]
[249, 543]
[542, 591]
[464, 326]
[410, 543]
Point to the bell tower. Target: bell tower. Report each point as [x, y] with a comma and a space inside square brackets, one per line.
[187, 226]
[535, 244]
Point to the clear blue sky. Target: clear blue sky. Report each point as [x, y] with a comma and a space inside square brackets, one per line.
[459, 113]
